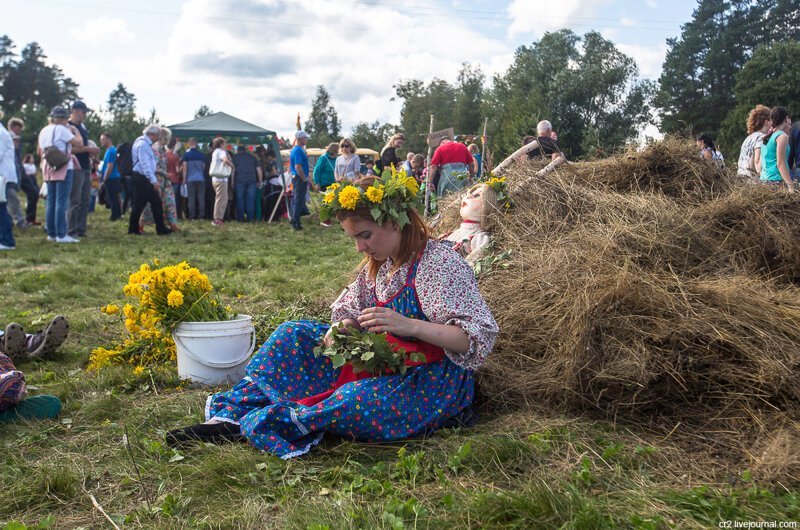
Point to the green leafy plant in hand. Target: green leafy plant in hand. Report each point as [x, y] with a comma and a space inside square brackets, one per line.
[367, 352]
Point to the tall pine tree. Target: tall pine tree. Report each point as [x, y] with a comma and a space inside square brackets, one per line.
[323, 124]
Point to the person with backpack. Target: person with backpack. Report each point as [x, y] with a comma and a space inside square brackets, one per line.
[125, 168]
[56, 141]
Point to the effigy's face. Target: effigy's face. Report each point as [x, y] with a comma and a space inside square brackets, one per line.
[472, 204]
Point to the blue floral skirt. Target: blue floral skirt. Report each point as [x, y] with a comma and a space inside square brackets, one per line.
[383, 408]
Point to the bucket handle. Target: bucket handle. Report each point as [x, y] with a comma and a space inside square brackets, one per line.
[226, 364]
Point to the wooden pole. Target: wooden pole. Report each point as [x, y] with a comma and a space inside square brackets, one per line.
[483, 147]
[429, 178]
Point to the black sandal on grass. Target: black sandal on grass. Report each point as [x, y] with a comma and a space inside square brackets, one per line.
[215, 433]
[14, 341]
[45, 343]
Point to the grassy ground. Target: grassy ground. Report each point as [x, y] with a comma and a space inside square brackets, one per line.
[514, 470]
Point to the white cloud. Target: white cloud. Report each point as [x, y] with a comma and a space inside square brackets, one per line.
[263, 60]
[103, 30]
[533, 17]
[626, 22]
[649, 59]
[652, 4]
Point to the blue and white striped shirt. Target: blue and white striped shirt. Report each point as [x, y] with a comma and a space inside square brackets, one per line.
[144, 158]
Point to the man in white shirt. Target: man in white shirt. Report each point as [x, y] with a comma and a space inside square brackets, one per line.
[144, 183]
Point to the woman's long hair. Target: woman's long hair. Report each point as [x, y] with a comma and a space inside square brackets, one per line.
[398, 136]
[777, 117]
[413, 237]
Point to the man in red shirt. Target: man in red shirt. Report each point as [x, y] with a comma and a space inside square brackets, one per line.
[456, 164]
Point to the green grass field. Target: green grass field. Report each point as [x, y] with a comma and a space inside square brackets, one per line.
[514, 470]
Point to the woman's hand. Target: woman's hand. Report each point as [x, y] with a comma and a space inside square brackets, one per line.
[385, 320]
[327, 341]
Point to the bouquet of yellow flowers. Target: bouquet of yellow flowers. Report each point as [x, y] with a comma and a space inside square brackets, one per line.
[163, 298]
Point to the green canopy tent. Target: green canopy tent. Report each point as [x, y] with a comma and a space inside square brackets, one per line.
[206, 128]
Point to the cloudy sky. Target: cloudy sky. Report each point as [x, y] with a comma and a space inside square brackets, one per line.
[261, 60]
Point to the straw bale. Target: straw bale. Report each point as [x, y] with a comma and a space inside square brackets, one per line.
[650, 287]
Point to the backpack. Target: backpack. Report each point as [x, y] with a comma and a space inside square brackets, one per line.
[125, 159]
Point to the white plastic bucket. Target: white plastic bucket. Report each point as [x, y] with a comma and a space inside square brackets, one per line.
[213, 353]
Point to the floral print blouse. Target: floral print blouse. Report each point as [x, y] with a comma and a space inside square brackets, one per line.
[448, 294]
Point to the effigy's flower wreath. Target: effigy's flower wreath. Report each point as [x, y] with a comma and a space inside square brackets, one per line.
[390, 197]
[500, 187]
[162, 298]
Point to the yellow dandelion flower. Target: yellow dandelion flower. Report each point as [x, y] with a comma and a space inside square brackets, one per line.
[139, 370]
[329, 196]
[348, 197]
[335, 186]
[110, 309]
[132, 326]
[229, 309]
[374, 194]
[175, 298]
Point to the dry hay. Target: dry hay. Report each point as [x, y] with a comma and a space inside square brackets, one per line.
[653, 288]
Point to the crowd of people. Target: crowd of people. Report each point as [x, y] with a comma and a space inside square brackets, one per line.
[161, 181]
[770, 154]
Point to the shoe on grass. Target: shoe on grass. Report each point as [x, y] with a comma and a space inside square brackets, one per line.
[215, 433]
[14, 341]
[67, 239]
[4, 247]
[46, 342]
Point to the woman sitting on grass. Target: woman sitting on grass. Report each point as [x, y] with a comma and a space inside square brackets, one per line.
[409, 286]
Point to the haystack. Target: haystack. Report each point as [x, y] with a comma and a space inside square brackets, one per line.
[651, 287]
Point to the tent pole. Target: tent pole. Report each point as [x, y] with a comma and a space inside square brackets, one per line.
[428, 179]
[483, 147]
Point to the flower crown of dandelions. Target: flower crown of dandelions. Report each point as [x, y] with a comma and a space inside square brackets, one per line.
[500, 187]
[390, 197]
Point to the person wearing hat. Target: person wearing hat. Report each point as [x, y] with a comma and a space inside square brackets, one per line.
[146, 188]
[27, 182]
[64, 137]
[81, 193]
[298, 163]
